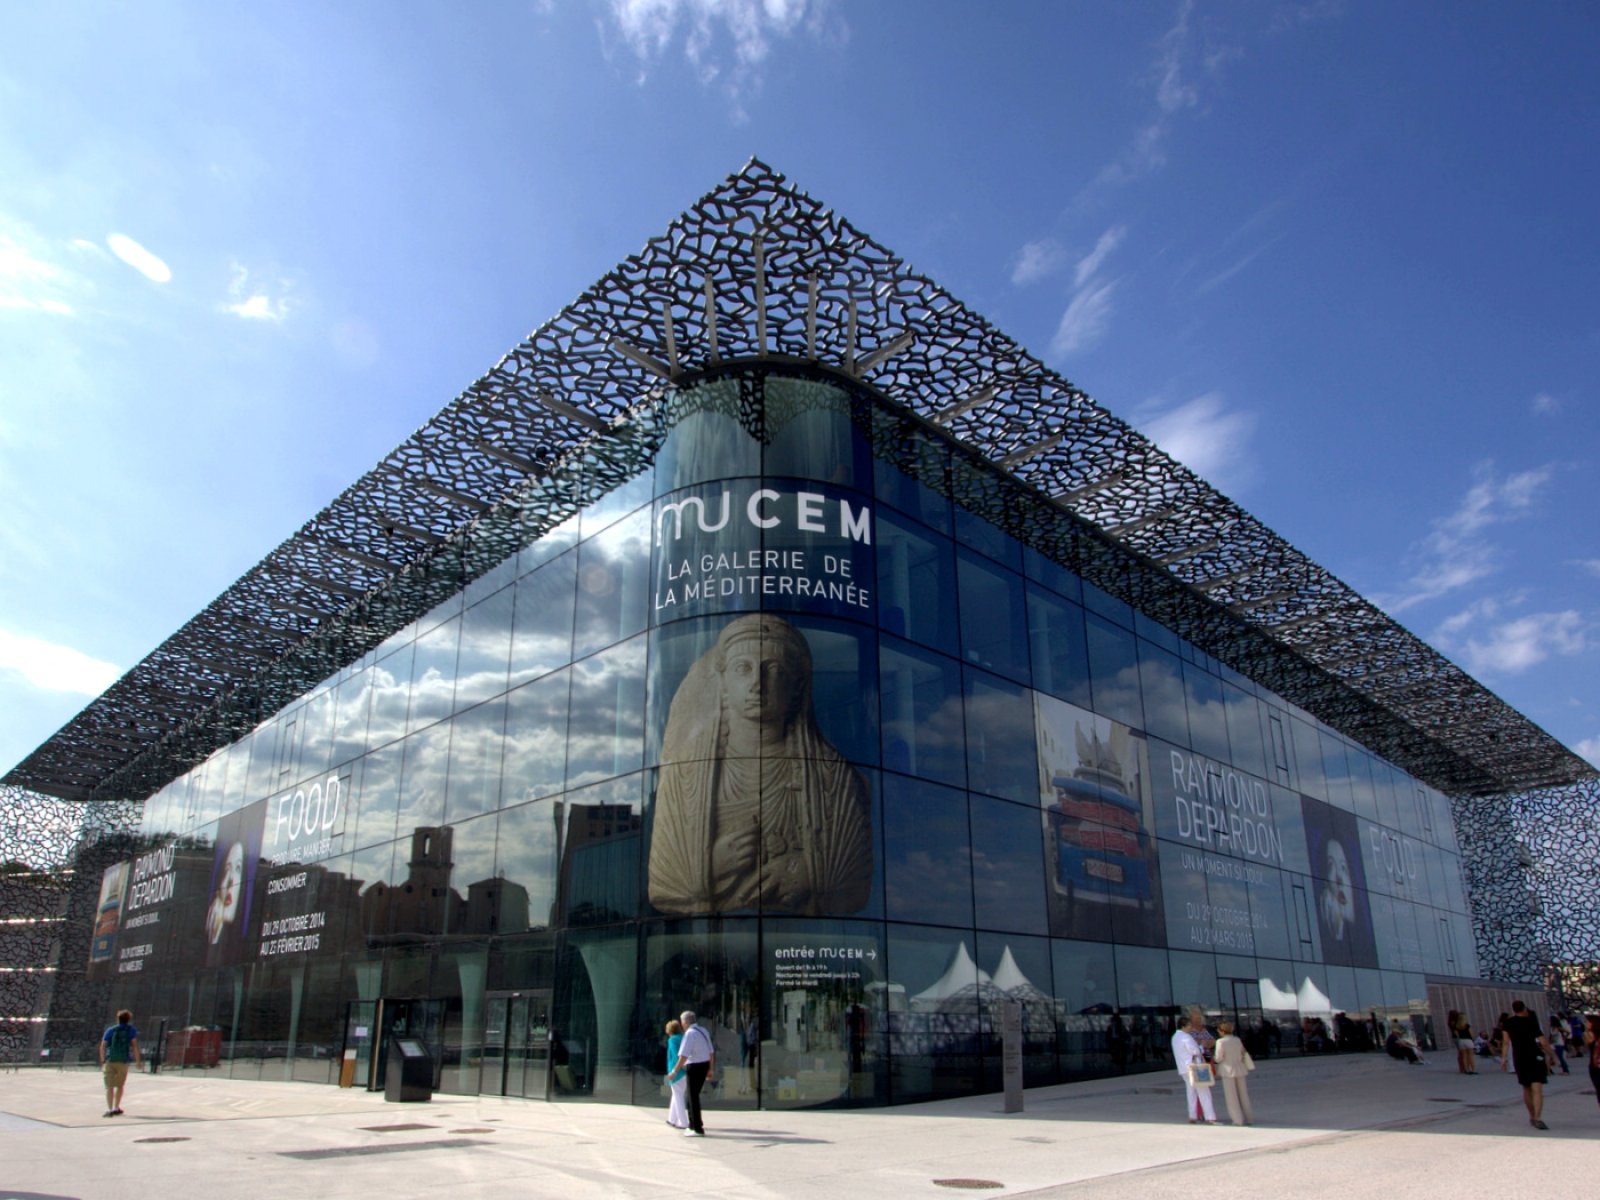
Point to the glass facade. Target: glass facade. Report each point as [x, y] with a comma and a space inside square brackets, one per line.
[783, 730]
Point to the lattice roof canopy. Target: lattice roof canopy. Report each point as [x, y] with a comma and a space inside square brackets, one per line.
[759, 271]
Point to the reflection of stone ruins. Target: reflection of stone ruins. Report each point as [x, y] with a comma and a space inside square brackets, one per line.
[756, 809]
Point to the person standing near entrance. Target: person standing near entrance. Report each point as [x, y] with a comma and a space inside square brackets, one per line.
[1233, 1064]
[1530, 1053]
[119, 1047]
[1190, 1059]
[697, 1058]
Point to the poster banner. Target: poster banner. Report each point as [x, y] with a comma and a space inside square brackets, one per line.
[1344, 917]
[107, 919]
[752, 544]
[235, 869]
[1100, 856]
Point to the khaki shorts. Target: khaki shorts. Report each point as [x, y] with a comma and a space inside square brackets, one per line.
[116, 1074]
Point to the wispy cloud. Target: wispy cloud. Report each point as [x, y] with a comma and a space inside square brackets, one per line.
[1486, 645]
[1086, 320]
[141, 260]
[1090, 263]
[1037, 260]
[55, 668]
[1589, 748]
[1208, 437]
[1291, 16]
[252, 299]
[1545, 404]
[1456, 551]
[1591, 565]
[724, 41]
[29, 279]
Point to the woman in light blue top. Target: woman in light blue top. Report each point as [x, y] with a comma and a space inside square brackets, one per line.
[678, 1081]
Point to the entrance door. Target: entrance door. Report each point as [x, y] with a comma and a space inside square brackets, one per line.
[516, 1045]
[1243, 997]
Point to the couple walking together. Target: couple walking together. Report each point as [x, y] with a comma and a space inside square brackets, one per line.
[691, 1061]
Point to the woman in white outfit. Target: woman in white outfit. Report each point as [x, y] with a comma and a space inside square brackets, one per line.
[1233, 1063]
[678, 1081]
[1186, 1049]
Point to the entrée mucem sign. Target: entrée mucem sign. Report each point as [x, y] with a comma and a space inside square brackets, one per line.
[732, 547]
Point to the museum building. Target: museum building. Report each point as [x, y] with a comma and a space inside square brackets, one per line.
[768, 635]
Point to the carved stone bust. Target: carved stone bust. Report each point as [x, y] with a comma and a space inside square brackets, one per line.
[755, 808]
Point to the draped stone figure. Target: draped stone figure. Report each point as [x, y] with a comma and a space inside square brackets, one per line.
[755, 808]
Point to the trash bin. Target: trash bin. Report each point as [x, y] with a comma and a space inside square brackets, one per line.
[409, 1073]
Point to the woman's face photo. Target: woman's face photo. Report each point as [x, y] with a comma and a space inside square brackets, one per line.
[1338, 894]
[231, 885]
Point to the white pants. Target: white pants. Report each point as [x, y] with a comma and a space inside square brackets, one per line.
[1202, 1096]
[678, 1109]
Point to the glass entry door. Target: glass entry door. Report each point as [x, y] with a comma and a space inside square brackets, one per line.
[1247, 1017]
[516, 1045]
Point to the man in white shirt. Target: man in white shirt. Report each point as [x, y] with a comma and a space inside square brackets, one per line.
[1186, 1049]
[697, 1057]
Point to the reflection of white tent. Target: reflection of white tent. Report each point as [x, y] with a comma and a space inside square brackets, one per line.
[1008, 977]
[1276, 999]
[1313, 1001]
[960, 974]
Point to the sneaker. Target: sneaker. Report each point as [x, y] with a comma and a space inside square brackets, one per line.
[1538, 1124]
[110, 1112]
[116, 1112]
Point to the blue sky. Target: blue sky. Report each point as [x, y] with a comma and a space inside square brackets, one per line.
[1340, 258]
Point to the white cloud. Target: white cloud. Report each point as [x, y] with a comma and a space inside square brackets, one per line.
[1090, 263]
[1514, 646]
[1589, 748]
[1172, 93]
[1037, 260]
[140, 259]
[29, 281]
[725, 40]
[54, 668]
[1591, 565]
[1085, 321]
[251, 300]
[1208, 438]
[1545, 404]
[1455, 553]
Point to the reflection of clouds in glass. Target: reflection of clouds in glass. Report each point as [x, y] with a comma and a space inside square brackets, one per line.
[472, 849]
[606, 734]
[1119, 695]
[476, 741]
[541, 638]
[535, 757]
[527, 856]
[387, 714]
[422, 784]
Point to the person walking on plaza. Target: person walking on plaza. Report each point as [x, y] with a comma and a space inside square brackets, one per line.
[119, 1047]
[697, 1058]
[1558, 1043]
[1233, 1064]
[1529, 1050]
[1466, 1047]
[1591, 1049]
[1193, 1069]
[676, 1079]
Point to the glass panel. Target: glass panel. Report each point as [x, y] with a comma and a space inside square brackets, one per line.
[1243, 713]
[526, 867]
[433, 674]
[994, 621]
[485, 649]
[1165, 708]
[1144, 994]
[934, 1044]
[1114, 672]
[916, 582]
[1093, 1036]
[911, 493]
[535, 758]
[708, 443]
[1002, 759]
[811, 434]
[1018, 968]
[477, 741]
[613, 584]
[606, 727]
[541, 639]
[391, 696]
[922, 719]
[600, 853]
[350, 716]
[715, 968]
[423, 781]
[927, 855]
[379, 798]
[1051, 574]
[1060, 652]
[1208, 718]
[1007, 867]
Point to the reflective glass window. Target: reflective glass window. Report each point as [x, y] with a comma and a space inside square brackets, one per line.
[477, 743]
[1208, 716]
[1165, 708]
[613, 584]
[1018, 968]
[1194, 980]
[379, 797]
[1007, 866]
[1144, 994]
[927, 852]
[422, 781]
[919, 492]
[812, 436]
[916, 584]
[1114, 672]
[485, 649]
[472, 877]
[1002, 759]
[1060, 651]
[534, 762]
[316, 736]
[708, 443]
[844, 685]
[550, 546]
[1242, 712]
[601, 854]
[350, 716]
[1103, 604]
[994, 619]
[391, 697]
[541, 639]
[1308, 759]
[935, 1044]
[1093, 1037]
[1050, 574]
[1336, 772]
[978, 532]
[923, 732]
[605, 734]
[616, 503]
[433, 674]
[526, 862]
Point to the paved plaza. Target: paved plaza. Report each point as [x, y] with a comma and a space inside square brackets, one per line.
[1339, 1126]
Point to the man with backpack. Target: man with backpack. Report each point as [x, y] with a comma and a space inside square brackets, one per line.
[119, 1047]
